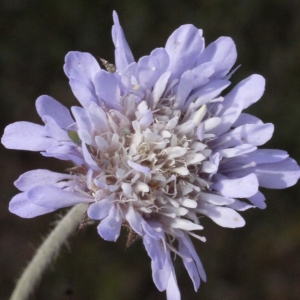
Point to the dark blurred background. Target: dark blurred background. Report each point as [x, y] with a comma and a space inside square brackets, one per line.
[259, 261]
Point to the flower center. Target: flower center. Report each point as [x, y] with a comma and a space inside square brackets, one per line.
[152, 159]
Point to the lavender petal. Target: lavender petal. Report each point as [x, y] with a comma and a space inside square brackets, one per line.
[21, 206]
[26, 136]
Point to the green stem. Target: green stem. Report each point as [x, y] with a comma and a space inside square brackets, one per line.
[47, 252]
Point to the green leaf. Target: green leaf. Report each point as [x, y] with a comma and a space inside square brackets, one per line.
[73, 135]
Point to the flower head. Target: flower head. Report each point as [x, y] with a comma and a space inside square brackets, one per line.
[154, 146]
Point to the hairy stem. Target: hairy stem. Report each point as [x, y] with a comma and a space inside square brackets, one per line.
[47, 252]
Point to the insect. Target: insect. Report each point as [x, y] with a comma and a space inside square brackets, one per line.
[108, 66]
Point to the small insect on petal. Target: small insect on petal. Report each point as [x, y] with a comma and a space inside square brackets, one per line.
[108, 66]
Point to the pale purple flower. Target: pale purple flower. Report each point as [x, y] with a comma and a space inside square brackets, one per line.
[154, 147]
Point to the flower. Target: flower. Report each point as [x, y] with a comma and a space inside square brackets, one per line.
[154, 146]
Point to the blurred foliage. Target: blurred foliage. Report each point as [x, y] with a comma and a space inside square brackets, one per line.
[259, 261]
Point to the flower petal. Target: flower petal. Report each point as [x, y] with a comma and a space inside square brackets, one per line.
[48, 106]
[183, 49]
[107, 88]
[81, 66]
[258, 200]
[240, 205]
[237, 151]
[109, 228]
[185, 86]
[100, 209]
[278, 175]
[155, 250]
[84, 93]
[246, 119]
[244, 94]
[223, 53]
[138, 167]
[206, 93]
[240, 188]
[33, 178]
[188, 243]
[189, 264]
[151, 67]
[21, 206]
[159, 89]
[53, 197]
[261, 156]
[215, 199]
[161, 275]
[185, 224]
[202, 73]
[173, 292]
[123, 55]
[223, 216]
[256, 135]
[55, 131]
[89, 159]
[82, 118]
[135, 220]
[26, 136]
[146, 120]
